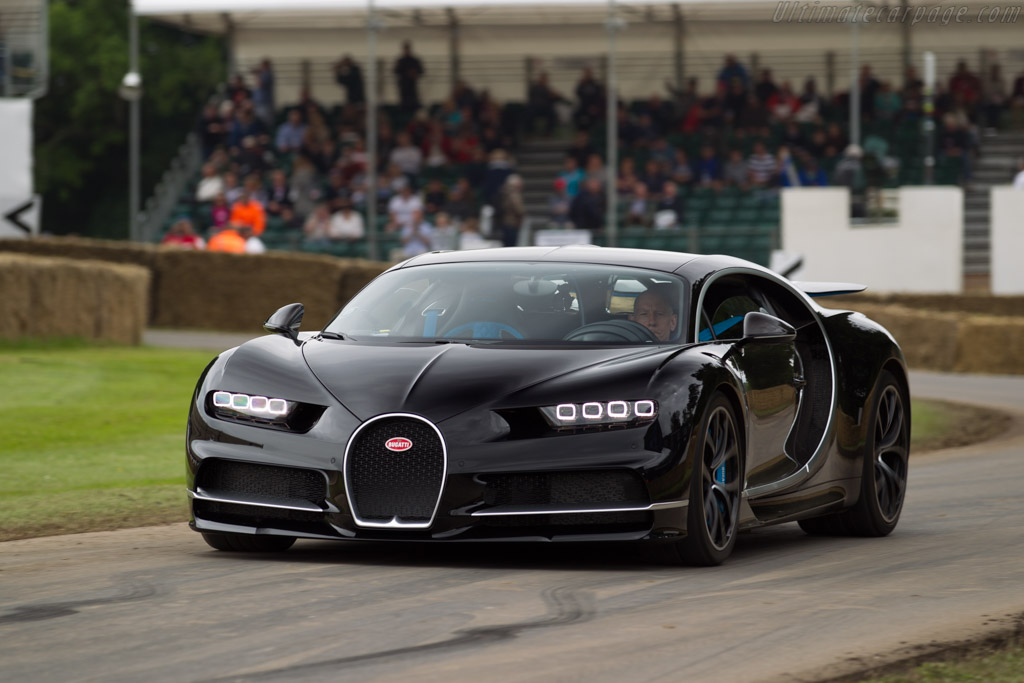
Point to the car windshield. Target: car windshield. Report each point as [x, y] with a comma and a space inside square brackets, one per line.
[517, 303]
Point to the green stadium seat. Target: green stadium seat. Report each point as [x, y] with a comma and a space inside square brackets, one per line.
[768, 217]
[712, 240]
[745, 217]
[679, 241]
[748, 201]
[726, 201]
[657, 241]
[698, 205]
[718, 217]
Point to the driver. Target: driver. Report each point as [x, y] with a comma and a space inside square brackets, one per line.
[654, 311]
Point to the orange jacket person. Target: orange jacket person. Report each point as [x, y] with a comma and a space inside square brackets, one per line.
[228, 241]
[248, 211]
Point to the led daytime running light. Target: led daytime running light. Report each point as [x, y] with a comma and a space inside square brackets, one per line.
[600, 413]
[250, 405]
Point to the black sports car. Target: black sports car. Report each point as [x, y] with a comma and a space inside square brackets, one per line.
[573, 393]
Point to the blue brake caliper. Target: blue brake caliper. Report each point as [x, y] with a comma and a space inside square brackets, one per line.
[720, 479]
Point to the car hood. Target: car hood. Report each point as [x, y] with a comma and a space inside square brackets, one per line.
[439, 381]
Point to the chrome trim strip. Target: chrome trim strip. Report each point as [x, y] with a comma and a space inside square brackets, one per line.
[221, 527]
[503, 511]
[394, 523]
[200, 495]
[812, 462]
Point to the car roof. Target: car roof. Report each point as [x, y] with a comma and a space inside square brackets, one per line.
[667, 261]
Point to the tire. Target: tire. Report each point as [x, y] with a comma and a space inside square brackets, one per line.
[716, 487]
[248, 544]
[884, 478]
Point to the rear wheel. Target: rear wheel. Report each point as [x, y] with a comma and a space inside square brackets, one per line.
[248, 544]
[716, 484]
[884, 479]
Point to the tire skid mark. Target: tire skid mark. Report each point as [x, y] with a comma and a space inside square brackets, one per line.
[566, 606]
[132, 591]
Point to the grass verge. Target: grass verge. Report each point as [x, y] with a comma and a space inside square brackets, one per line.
[91, 437]
[999, 661]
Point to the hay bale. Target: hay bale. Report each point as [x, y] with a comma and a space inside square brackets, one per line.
[980, 304]
[356, 273]
[929, 339]
[991, 344]
[205, 290]
[113, 251]
[52, 297]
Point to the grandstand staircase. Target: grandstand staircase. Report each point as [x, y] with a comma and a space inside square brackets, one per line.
[538, 161]
[996, 165]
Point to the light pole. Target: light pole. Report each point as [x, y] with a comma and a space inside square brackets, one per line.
[929, 118]
[613, 25]
[131, 91]
[372, 28]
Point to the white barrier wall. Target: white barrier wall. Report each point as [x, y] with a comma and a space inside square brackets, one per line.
[1007, 240]
[921, 252]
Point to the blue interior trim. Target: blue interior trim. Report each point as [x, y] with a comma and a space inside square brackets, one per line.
[705, 334]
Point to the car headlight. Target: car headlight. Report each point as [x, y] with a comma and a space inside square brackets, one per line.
[253, 406]
[600, 413]
[263, 411]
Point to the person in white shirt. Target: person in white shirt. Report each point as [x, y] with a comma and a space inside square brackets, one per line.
[1018, 181]
[253, 244]
[402, 206]
[416, 235]
[406, 155]
[346, 225]
[470, 237]
[210, 185]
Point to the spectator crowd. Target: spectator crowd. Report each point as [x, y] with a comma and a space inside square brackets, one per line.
[300, 174]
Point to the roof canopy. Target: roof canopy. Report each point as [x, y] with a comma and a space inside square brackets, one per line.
[217, 14]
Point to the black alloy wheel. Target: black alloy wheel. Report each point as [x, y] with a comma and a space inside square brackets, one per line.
[715, 489]
[884, 479]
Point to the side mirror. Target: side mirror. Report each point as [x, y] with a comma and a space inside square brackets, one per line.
[286, 320]
[759, 326]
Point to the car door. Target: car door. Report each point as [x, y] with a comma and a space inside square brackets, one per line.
[771, 372]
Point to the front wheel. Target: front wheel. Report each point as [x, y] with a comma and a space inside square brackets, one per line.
[716, 485]
[247, 544]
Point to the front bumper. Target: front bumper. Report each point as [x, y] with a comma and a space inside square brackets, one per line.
[468, 508]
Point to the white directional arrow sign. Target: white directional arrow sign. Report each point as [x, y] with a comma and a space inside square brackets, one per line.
[19, 217]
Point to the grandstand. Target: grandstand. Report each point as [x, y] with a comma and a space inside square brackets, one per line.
[499, 52]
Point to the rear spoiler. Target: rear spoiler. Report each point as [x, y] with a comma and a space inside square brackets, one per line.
[818, 289]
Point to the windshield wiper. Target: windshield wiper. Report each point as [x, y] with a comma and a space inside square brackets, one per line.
[331, 335]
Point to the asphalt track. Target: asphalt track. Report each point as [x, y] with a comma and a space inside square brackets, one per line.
[156, 604]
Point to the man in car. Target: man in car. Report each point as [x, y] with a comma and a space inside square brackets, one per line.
[654, 311]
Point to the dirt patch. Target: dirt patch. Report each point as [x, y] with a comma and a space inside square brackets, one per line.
[902, 662]
[967, 425]
[144, 516]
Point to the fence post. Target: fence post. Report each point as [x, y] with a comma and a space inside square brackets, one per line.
[830, 74]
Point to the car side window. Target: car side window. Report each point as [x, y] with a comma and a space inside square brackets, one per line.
[727, 319]
[727, 302]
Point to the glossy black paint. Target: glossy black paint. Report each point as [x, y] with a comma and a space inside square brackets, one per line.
[482, 398]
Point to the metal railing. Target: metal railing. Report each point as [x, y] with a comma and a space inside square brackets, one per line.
[24, 49]
[159, 207]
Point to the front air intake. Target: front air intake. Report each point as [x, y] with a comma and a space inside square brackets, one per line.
[395, 467]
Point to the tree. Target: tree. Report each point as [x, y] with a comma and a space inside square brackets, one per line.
[81, 137]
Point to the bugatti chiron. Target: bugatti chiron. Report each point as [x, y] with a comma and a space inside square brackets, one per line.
[555, 394]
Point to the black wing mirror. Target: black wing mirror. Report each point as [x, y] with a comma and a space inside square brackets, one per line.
[286, 320]
[759, 326]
